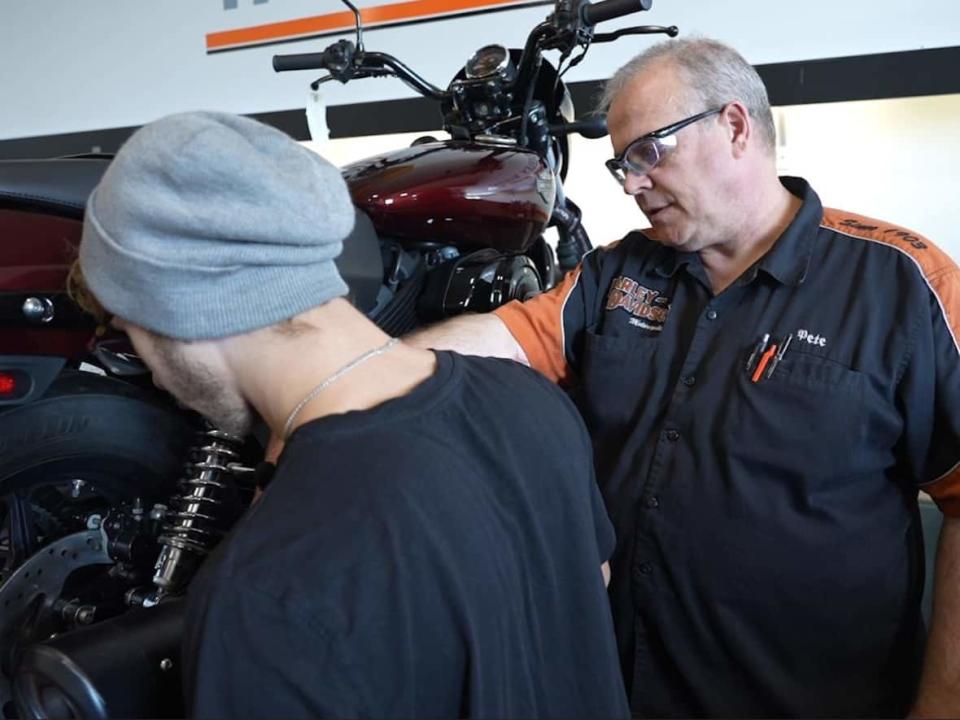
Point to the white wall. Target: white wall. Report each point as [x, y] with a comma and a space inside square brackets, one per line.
[75, 65]
[895, 160]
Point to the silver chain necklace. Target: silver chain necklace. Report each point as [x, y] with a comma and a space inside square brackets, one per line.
[332, 379]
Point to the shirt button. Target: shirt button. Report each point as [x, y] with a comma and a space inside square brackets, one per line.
[646, 568]
[673, 435]
[711, 314]
[651, 501]
[688, 380]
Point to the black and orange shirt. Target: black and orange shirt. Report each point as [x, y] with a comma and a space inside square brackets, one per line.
[769, 555]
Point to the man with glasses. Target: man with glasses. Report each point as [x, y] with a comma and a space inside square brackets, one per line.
[767, 383]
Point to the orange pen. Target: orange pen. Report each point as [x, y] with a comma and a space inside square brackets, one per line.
[764, 359]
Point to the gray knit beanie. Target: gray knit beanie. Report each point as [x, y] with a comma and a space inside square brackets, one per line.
[207, 225]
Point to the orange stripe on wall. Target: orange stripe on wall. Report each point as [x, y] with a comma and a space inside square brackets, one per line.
[343, 20]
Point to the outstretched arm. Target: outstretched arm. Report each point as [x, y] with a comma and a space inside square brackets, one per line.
[484, 335]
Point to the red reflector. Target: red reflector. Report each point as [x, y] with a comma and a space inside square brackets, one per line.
[8, 384]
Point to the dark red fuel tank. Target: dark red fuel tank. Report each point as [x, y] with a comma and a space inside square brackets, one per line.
[41, 212]
[36, 251]
[460, 193]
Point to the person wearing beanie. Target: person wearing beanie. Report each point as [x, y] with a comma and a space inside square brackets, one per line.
[431, 542]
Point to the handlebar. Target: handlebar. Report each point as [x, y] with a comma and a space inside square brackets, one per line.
[335, 59]
[610, 9]
[344, 61]
[571, 25]
[302, 61]
[592, 127]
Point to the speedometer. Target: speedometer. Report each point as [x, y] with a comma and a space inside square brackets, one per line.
[487, 61]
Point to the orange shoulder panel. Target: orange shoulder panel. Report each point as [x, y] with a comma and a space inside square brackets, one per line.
[931, 259]
[537, 325]
[937, 268]
[943, 278]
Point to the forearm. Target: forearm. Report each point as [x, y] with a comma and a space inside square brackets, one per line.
[939, 693]
[484, 335]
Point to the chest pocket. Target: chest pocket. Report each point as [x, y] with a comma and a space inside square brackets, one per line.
[616, 375]
[806, 420]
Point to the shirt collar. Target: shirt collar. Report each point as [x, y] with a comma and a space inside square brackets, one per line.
[787, 261]
[671, 260]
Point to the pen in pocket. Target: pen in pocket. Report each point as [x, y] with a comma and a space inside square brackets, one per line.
[784, 344]
[757, 349]
[762, 364]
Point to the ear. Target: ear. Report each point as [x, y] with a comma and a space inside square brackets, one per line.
[739, 125]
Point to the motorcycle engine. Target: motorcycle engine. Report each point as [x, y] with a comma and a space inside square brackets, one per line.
[477, 282]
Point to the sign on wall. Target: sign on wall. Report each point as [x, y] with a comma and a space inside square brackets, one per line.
[339, 20]
[68, 67]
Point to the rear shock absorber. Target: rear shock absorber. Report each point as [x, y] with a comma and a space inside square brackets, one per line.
[196, 521]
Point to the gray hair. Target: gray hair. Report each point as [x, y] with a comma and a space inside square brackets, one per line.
[716, 74]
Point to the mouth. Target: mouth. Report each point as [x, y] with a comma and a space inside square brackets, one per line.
[653, 213]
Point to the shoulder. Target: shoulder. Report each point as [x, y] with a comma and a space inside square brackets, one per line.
[931, 262]
[637, 249]
[633, 243]
[508, 378]
[513, 382]
[522, 399]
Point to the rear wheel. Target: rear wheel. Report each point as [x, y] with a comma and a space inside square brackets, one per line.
[89, 444]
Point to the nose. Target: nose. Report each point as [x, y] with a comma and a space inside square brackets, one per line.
[635, 182]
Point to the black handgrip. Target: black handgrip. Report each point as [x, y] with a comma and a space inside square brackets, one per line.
[610, 9]
[592, 127]
[303, 61]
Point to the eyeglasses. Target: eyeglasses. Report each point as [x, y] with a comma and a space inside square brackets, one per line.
[646, 152]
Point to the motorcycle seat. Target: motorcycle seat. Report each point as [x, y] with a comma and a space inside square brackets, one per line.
[58, 186]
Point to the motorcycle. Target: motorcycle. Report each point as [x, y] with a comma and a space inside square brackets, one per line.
[111, 493]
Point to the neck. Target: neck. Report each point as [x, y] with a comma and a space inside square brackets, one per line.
[763, 219]
[277, 370]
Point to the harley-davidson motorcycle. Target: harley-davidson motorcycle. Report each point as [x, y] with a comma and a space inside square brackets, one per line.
[111, 494]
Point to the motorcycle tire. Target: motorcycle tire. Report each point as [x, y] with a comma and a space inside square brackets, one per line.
[123, 441]
[131, 439]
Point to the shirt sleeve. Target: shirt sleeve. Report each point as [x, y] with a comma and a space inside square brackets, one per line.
[549, 326]
[249, 655]
[930, 395]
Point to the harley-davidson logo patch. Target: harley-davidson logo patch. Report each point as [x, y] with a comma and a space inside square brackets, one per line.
[648, 307]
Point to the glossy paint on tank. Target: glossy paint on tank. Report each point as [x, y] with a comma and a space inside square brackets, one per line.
[36, 252]
[464, 194]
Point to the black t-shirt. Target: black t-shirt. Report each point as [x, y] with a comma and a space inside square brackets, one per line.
[436, 556]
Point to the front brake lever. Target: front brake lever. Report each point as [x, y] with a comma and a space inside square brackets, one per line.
[671, 31]
[319, 81]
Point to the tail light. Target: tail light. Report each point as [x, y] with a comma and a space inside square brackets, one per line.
[14, 384]
[24, 378]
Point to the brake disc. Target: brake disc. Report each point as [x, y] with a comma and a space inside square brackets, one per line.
[36, 585]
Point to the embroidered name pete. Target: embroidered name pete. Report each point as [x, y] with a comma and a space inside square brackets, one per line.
[639, 301]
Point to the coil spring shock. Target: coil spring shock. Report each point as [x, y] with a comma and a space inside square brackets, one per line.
[194, 523]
